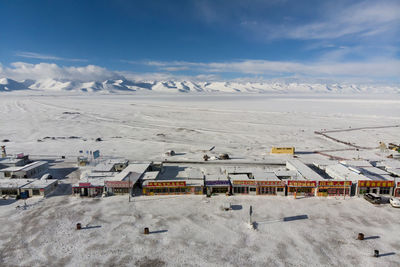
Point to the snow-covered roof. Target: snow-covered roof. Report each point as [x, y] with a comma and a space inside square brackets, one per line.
[321, 164]
[189, 182]
[11, 160]
[92, 181]
[238, 177]
[108, 165]
[98, 174]
[374, 172]
[263, 176]
[190, 173]
[132, 172]
[306, 172]
[27, 167]
[14, 183]
[150, 175]
[217, 177]
[356, 163]
[285, 173]
[392, 166]
[37, 184]
[238, 169]
[341, 172]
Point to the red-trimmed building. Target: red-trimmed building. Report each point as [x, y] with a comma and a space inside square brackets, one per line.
[89, 189]
[380, 187]
[173, 187]
[301, 187]
[334, 188]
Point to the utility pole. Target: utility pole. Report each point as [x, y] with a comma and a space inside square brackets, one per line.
[251, 212]
[129, 186]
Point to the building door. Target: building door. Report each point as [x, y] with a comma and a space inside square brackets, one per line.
[374, 190]
[253, 190]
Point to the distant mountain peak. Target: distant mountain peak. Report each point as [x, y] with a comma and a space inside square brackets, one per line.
[187, 86]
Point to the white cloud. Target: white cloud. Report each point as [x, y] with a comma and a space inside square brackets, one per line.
[363, 19]
[46, 57]
[21, 71]
[377, 69]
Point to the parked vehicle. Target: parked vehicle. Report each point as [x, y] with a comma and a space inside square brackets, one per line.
[395, 202]
[373, 198]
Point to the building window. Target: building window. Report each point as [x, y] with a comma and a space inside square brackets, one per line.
[363, 190]
[384, 190]
[279, 189]
[240, 190]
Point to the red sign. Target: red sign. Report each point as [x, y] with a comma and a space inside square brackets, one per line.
[119, 184]
[302, 183]
[84, 184]
[166, 184]
[238, 182]
[367, 183]
[271, 183]
[334, 183]
[398, 184]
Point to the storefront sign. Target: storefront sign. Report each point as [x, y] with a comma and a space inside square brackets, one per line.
[213, 183]
[84, 184]
[302, 183]
[166, 184]
[334, 183]
[119, 184]
[238, 182]
[270, 183]
[398, 184]
[366, 183]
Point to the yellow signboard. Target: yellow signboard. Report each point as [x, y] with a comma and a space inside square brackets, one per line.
[282, 150]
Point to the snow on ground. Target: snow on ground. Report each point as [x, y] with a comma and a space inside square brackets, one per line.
[195, 231]
[143, 127]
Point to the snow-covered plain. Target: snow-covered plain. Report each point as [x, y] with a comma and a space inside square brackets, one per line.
[195, 231]
[192, 230]
[143, 127]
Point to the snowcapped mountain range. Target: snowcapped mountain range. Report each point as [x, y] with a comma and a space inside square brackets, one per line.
[125, 85]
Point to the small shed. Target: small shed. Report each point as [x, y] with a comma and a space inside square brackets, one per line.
[12, 187]
[40, 187]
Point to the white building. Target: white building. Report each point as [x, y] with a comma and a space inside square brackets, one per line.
[32, 170]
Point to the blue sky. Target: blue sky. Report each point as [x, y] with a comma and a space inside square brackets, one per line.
[204, 39]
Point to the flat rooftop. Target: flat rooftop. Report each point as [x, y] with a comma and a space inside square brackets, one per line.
[38, 184]
[27, 167]
[217, 177]
[266, 176]
[150, 175]
[14, 183]
[239, 177]
[341, 172]
[306, 172]
[108, 165]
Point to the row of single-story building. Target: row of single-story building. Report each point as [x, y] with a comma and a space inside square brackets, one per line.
[27, 187]
[264, 185]
[322, 178]
[97, 182]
